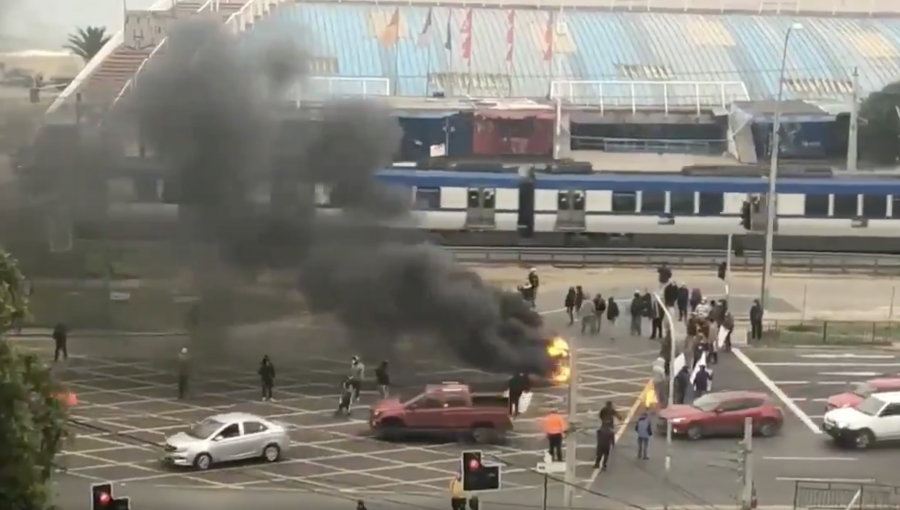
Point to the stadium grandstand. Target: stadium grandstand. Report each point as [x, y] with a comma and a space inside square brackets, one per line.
[615, 77]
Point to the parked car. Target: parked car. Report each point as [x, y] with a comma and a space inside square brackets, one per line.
[443, 410]
[862, 391]
[723, 414]
[875, 419]
[227, 437]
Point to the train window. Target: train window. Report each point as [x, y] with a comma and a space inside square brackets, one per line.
[428, 198]
[875, 207]
[711, 204]
[681, 203]
[624, 201]
[845, 206]
[474, 198]
[815, 205]
[490, 200]
[653, 202]
[562, 201]
[578, 200]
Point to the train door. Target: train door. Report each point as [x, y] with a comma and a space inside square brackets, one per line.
[480, 210]
[570, 212]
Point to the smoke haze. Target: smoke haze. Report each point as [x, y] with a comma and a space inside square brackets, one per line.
[206, 109]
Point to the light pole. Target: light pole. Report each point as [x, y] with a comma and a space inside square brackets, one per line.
[670, 397]
[772, 200]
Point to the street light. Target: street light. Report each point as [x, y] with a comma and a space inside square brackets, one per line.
[772, 200]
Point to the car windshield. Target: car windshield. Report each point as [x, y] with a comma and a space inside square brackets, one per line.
[205, 429]
[870, 406]
[863, 390]
[708, 403]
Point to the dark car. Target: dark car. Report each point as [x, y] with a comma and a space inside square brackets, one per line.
[723, 414]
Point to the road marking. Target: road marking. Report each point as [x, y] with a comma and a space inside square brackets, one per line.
[548, 312]
[853, 374]
[848, 355]
[763, 378]
[814, 459]
[786, 383]
[832, 480]
[621, 432]
[835, 365]
[803, 399]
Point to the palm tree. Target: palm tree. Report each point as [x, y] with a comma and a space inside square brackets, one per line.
[86, 42]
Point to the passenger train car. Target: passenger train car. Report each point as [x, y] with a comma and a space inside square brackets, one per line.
[613, 203]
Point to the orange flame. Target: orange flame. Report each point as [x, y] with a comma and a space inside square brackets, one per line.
[558, 349]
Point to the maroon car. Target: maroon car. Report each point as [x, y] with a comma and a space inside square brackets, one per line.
[722, 414]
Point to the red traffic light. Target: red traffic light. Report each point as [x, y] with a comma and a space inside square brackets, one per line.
[104, 498]
[473, 464]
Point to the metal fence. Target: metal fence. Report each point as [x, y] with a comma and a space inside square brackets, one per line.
[846, 494]
[834, 332]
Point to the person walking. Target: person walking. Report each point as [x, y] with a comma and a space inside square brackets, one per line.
[644, 429]
[612, 315]
[383, 379]
[606, 440]
[554, 426]
[267, 378]
[569, 304]
[60, 340]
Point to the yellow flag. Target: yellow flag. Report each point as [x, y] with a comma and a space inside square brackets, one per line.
[650, 399]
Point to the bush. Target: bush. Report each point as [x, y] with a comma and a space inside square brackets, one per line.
[32, 418]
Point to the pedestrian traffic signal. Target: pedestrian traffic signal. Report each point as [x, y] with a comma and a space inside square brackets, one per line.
[102, 498]
[476, 476]
[745, 216]
[723, 269]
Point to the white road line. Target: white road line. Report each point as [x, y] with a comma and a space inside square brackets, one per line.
[832, 480]
[814, 459]
[548, 312]
[848, 355]
[824, 365]
[787, 383]
[803, 399]
[763, 378]
[853, 374]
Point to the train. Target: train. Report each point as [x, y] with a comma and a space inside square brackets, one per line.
[609, 207]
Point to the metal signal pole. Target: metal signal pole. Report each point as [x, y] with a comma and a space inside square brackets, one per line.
[570, 437]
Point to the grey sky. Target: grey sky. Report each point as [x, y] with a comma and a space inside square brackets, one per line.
[44, 24]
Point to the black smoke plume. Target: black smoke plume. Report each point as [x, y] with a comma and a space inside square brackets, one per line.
[208, 108]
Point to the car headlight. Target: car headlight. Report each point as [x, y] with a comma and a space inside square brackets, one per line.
[677, 420]
[841, 425]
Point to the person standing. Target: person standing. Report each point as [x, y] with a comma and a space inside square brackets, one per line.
[701, 382]
[570, 305]
[637, 313]
[599, 312]
[587, 314]
[612, 315]
[184, 373]
[554, 426]
[60, 340]
[383, 379]
[579, 297]
[656, 319]
[606, 440]
[756, 318]
[357, 373]
[345, 398]
[684, 296]
[644, 429]
[518, 385]
[267, 376]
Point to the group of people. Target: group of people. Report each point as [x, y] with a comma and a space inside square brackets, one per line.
[591, 311]
[351, 386]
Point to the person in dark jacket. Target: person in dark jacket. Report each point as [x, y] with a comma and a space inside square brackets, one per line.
[683, 297]
[728, 324]
[579, 297]
[606, 440]
[518, 384]
[533, 280]
[383, 379]
[599, 312]
[570, 305]
[696, 297]
[756, 318]
[608, 415]
[682, 381]
[60, 339]
[636, 309]
[346, 397]
[701, 382]
[670, 294]
[656, 319]
[612, 315]
[267, 376]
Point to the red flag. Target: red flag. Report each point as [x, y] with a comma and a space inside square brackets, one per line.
[510, 36]
[548, 39]
[466, 32]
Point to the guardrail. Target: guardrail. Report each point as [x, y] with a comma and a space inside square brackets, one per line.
[834, 332]
[831, 263]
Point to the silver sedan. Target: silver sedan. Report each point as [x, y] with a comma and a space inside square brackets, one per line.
[227, 437]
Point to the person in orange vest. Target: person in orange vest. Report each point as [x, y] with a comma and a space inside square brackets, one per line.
[554, 426]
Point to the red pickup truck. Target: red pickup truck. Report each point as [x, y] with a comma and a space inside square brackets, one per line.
[444, 410]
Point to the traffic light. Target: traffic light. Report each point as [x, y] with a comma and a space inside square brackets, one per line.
[722, 270]
[745, 216]
[102, 498]
[476, 475]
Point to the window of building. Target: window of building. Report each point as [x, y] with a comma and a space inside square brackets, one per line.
[624, 201]
[711, 204]
[815, 205]
[682, 203]
[428, 199]
[653, 202]
[874, 207]
[845, 206]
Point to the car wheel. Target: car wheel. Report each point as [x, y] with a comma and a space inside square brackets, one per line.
[768, 428]
[391, 429]
[271, 453]
[203, 461]
[695, 432]
[864, 439]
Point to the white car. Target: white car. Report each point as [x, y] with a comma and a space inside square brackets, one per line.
[876, 418]
[227, 437]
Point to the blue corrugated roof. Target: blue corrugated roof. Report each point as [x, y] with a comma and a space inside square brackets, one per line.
[600, 45]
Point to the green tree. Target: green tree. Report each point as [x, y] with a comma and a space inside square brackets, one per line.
[87, 42]
[879, 130]
[32, 418]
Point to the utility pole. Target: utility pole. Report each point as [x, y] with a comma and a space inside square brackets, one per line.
[728, 268]
[570, 437]
[747, 489]
[853, 135]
